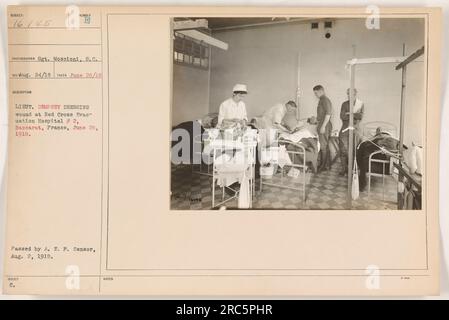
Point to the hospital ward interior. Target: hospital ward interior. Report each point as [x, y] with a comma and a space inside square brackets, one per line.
[276, 113]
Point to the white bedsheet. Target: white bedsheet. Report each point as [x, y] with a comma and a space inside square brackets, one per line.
[298, 135]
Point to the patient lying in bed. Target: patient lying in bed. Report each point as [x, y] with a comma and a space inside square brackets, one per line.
[382, 140]
[301, 133]
[296, 130]
[293, 132]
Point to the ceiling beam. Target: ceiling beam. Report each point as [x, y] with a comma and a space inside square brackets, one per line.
[190, 24]
[411, 58]
[197, 35]
[271, 23]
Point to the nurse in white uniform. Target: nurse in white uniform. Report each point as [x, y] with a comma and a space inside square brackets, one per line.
[233, 110]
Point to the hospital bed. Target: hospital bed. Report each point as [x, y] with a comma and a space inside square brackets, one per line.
[205, 157]
[381, 159]
[295, 157]
[234, 161]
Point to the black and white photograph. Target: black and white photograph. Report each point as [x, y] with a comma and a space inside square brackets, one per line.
[298, 113]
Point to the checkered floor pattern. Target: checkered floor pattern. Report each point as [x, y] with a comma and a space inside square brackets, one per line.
[325, 191]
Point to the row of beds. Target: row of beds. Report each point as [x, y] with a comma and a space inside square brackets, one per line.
[375, 156]
[371, 160]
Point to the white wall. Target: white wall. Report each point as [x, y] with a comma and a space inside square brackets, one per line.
[190, 93]
[265, 58]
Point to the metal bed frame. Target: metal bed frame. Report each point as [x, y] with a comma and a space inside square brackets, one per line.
[301, 166]
[198, 140]
[249, 152]
[369, 129]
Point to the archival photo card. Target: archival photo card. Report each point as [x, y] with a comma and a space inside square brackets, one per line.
[223, 151]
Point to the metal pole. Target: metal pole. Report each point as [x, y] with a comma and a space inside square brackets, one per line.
[298, 83]
[401, 127]
[401, 124]
[351, 134]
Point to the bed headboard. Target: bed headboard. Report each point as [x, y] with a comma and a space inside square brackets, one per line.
[369, 128]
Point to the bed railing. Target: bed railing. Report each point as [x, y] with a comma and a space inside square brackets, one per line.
[301, 165]
[369, 131]
[369, 128]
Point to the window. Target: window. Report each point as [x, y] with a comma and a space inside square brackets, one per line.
[191, 52]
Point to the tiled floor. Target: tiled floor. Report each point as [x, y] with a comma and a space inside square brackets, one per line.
[326, 191]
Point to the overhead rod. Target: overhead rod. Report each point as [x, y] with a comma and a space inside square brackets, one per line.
[270, 23]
